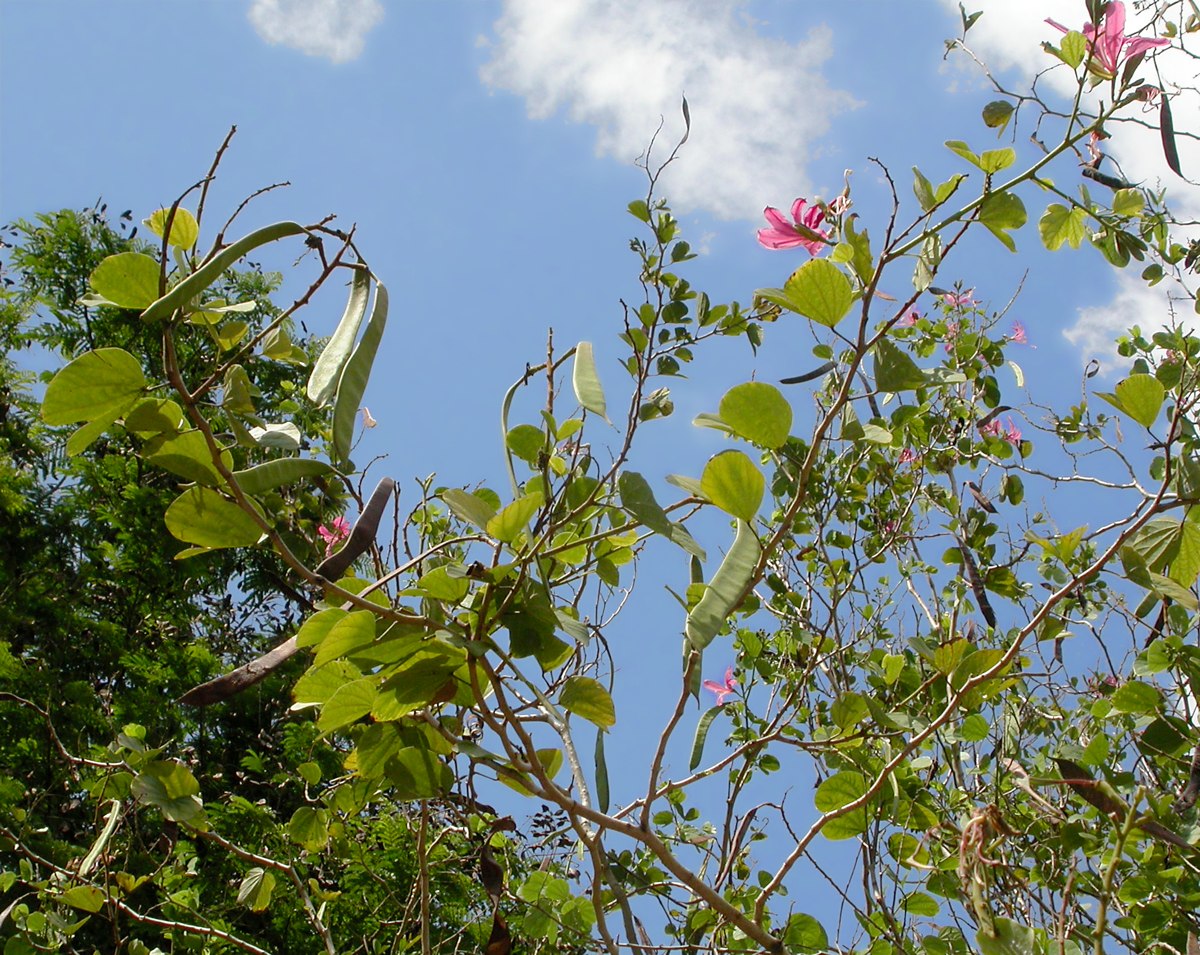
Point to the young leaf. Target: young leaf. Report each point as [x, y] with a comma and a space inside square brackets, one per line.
[256, 888]
[1059, 224]
[733, 482]
[327, 369]
[588, 391]
[820, 291]
[184, 229]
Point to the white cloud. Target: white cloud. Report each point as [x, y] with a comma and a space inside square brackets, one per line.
[1008, 37]
[759, 106]
[334, 29]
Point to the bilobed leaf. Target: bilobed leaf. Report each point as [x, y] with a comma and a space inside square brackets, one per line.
[349, 703]
[586, 381]
[127, 279]
[1059, 224]
[1010, 938]
[86, 898]
[256, 888]
[726, 589]
[186, 454]
[418, 774]
[309, 828]
[184, 229]
[510, 523]
[353, 381]
[202, 516]
[283, 436]
[734, 483]
[819, 290]
[1002, 212]
[894, 370]
[1073, 48]
[347, 634]
[1128, 202]
[588, 698]
[171, 789]
[98, 384]
[468, 507]
[1141, 397]
[994, 160]
[759, 413]
[272, 474]
[997, 113]
[702, 727]
[329, 364]
[153, 416]
[834, 793]
[82, 438]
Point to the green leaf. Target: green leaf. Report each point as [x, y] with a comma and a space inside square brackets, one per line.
[418, 679]
[83, 438]
[1010, 939]
[417, 773]
[894, 370]
[182, 294]
[759, 413]
[354, 630]
[187, 455]
[958, 147]
[726, 590]
[586, 381]
[185, 230]
[153, 416]
[588, 698]
[353, 381]
[1073, 49]
[734, 483]
[819, 290]
[327, 370]
[256, 888]
[317, 686]
[1141, 397]
[440, 585]
[923, 190]
[526, 442]
[638, 499]
[127, 279]
[1137, 698]
[1002, 212]
[316, 628]
[349, 703]
[1128, 202]
[992, 161]
[997, 113]
[804, 934]
[639, 210]
[469, 507]
[171, 789]
[834, 793]
[86, 898]
[283, 436]
[272, 474]
[202, 516]
[309, 828]
[1060, 224]
[98, 384]
[511, 522]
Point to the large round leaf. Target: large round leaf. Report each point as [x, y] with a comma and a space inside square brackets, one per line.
[104, 383]
[202, 516]
[758, 412]
[733, 482]
[128, 279]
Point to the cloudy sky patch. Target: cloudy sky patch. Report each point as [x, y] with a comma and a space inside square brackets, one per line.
[334, 29]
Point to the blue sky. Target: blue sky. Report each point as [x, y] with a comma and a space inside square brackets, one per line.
[486, 150]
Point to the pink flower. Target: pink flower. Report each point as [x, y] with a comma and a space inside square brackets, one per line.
[1017, 335]
[786, 235]
[951, 334]
[911, 319]
[907, 456]
[722, 689]
[1012, 434]
[334, 535]
[993, 429]
[960, 299]
[1110, 44]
